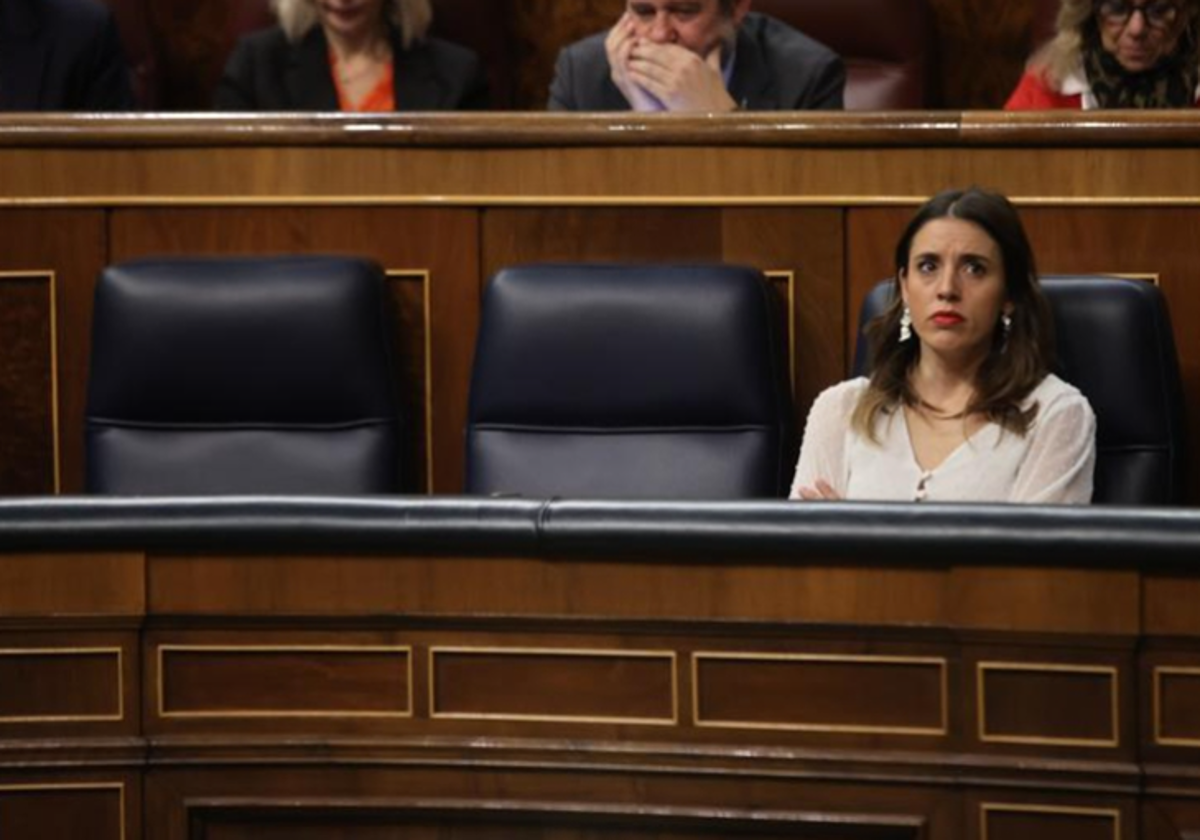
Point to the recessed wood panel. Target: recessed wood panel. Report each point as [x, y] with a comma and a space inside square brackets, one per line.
[45, 685]
[283, 681]
[822, 693]
[28, 396]
[593, 686]
[456, 820]
[1176, 706]
[1048, 822]
[1048, 704]
[63, 811]
[44, 252]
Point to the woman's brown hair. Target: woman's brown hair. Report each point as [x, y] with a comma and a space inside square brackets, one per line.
[1016, 363]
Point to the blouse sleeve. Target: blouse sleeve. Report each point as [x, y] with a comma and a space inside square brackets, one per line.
[823, 450]
[1062, 455]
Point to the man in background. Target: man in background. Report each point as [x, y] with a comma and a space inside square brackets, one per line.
[700, 56]
[61, 55]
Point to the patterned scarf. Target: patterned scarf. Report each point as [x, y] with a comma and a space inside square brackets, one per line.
[1169, 84]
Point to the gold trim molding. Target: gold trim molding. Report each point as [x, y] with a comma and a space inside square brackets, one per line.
[1156, 701]
[987, 808]
[87, 651]
[1109, 671]
[119, 787]
[339, 714]
[668, 656]
[864, 729]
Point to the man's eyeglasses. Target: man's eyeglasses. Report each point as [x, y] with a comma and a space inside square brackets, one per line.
[1159, 15]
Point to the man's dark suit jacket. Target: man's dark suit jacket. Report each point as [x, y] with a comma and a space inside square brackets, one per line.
[268, 73]
[61, 55]
[776, 68]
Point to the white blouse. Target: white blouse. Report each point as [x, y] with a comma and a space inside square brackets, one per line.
[1052, 463]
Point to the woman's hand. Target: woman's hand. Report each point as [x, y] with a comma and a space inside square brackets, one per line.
[821, 491]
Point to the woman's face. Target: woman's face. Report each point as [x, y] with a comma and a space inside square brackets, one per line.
[954, 287]
[1139, 34]
[350, 19]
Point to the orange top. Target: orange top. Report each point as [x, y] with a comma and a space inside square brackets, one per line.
[382, 97]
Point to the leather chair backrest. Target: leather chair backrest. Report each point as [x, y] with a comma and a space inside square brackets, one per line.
[241, 376]
[630, 381]
[1115, 344]
[889, 47]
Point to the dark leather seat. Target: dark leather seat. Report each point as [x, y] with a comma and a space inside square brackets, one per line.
[889, 47]
[1115, 344]
[241, 376]
[635, 381]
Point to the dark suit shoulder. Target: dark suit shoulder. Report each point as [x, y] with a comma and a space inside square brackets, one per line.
[803, 72]
[582, 78]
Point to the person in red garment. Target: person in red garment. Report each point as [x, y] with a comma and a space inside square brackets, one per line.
[1116, 54]
[351, 55]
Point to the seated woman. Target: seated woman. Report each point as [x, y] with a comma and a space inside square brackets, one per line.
[961, 405]
[1116, 54]
[350, 55]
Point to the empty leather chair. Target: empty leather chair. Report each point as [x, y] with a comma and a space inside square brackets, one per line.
[241, 376]
[1115, 344]
[630, 381]
[889, 47]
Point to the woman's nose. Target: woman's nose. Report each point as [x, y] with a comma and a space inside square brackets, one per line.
[1136, 24]
[947, 285]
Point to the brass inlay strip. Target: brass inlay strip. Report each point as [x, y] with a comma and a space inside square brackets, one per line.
[51, 278]
[1171, 671]
[1042, 667]
[406, 650]
[789, 277]
[987, 808]
[928, 661]
[500, 200]
[422, 275]
[119, 787]
[93, 651]
[665, 655]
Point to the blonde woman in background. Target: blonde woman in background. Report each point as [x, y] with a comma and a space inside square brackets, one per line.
[350, 55]
[1116, 54]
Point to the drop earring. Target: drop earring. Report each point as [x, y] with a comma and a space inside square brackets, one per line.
[905, 324]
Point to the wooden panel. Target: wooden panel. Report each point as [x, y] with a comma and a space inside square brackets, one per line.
[42, 251]
[588, 686]
[279, 681]
[1035, 822]
[1048, 704]
[440, 245]
[823, 693]
[63, 811]
[500, 820]
[48, 685]
[512, 586]
[1046, 599]
[28, 396]
[65, 585]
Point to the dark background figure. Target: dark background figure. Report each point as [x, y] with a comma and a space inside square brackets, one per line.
[61, 55]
